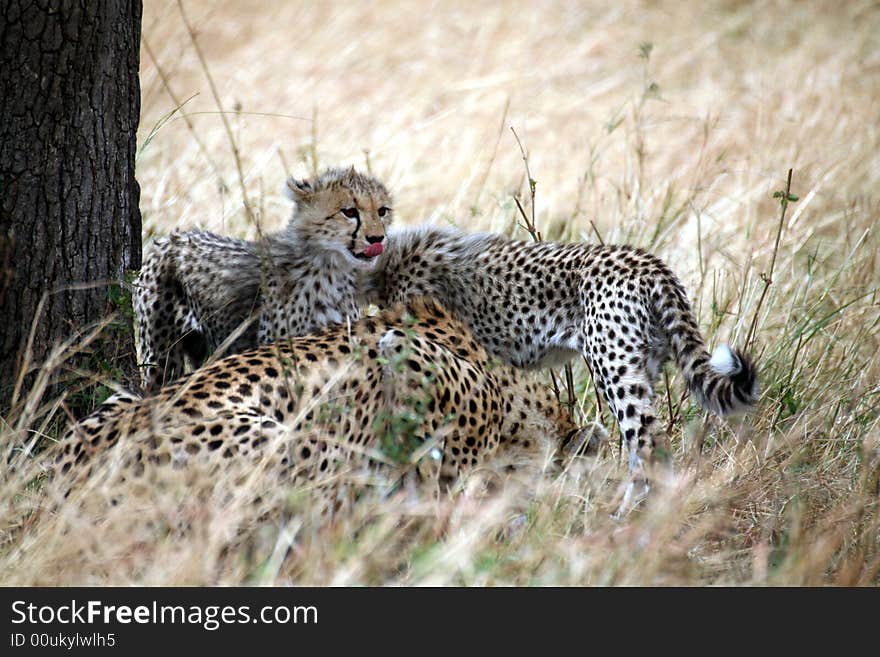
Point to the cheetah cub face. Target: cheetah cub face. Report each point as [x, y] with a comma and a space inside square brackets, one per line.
[342, 211]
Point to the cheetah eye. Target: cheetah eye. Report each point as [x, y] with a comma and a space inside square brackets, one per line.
[351, 213]
[383, 211]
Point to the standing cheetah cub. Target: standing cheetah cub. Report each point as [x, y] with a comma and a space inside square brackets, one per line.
[197, 290]
[541, 304]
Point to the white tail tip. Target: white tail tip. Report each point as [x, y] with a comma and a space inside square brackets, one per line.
[723, 361]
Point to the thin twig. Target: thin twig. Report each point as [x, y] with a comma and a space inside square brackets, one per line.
[569, 385]
[186, 117]
[671, 422]
[554, 385]
[596, 231]
[528, 226]
[531, 227]
[491, 161]
[531, 181]
[768, 277]
[217, 101]
[595, 389]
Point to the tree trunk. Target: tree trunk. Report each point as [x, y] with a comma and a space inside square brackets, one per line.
[69, 110]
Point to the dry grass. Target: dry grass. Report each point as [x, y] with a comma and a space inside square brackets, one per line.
[677, 148]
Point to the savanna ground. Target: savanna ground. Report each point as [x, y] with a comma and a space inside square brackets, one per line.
[656, 124]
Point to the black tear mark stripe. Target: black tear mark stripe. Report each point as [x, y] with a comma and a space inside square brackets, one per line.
[354, 233]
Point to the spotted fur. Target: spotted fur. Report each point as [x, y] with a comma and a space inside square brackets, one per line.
[197, 290]
[407, 389]
[540, 304]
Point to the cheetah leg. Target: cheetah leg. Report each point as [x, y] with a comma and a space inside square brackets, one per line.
[629, 396]
[163, 327]
[643, 436]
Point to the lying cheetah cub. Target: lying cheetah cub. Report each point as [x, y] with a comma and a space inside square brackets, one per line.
[541, 304]
[197, 289]
[408, 389]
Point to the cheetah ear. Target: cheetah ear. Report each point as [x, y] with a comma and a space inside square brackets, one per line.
[348, 175]
[299, 191]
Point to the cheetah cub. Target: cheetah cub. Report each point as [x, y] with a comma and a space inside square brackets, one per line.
[406, 391]
[541, 304]
[198, 291]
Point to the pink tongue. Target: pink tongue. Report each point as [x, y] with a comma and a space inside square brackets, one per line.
[373, 250]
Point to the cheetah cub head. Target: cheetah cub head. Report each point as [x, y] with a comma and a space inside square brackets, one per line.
[343, 211]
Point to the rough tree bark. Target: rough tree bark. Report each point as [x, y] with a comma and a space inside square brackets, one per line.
[69, 110]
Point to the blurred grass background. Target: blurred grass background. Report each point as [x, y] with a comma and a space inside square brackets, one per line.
[663, 124]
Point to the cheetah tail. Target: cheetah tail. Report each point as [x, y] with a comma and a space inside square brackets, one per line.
[726, 383]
